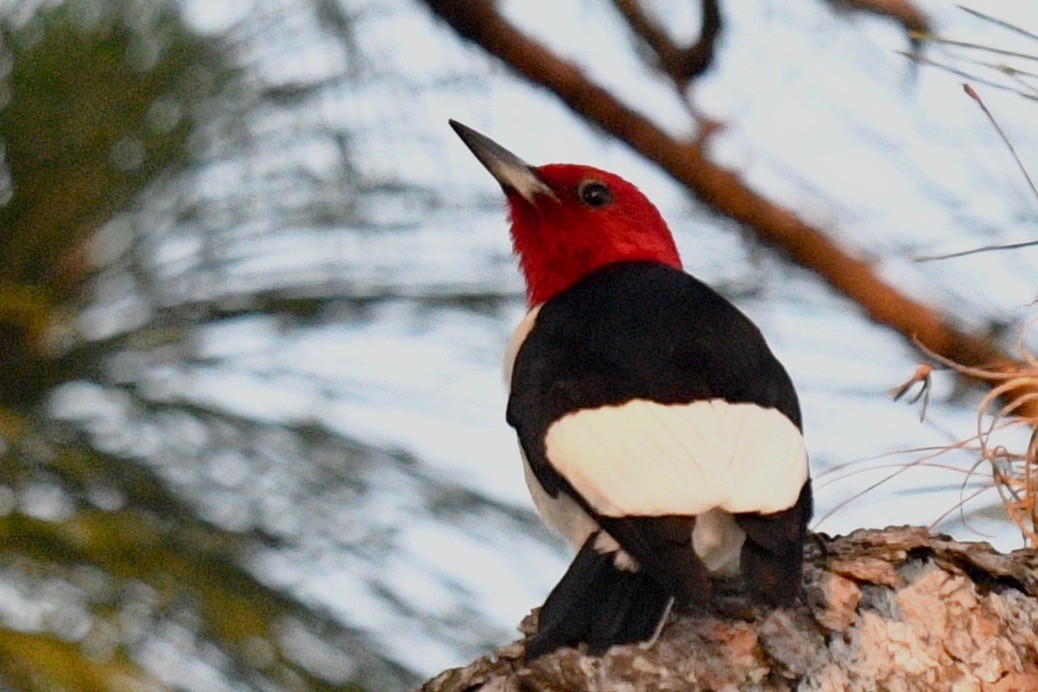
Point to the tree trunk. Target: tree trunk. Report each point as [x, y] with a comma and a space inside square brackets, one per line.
[891, 609]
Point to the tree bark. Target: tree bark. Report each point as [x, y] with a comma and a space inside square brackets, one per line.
[725, 192]
[903, 12]
[882, 609]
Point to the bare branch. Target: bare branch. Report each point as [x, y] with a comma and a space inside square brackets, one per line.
[998, 22]
[944, 594]
[724, 191]
[923, 60]
[682, 64]
[941, 41]
[902, 11]
[975, 251]
[972, 93]
[923, 377]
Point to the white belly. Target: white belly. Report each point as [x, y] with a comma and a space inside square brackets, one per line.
[716, 538]
[563, 514]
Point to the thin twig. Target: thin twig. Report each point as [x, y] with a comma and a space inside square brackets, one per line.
[998, 22]
[842, 466]
[1009, 71]
[721, 190]
[923, 376]
[976, 250]
[972, 93]
[923, 60]
[961, 506]
[941, 41]
[923, 461]
[681, 63]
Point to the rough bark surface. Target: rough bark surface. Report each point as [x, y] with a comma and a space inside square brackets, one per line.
[893, 609]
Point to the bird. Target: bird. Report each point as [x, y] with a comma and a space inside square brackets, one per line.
[658, 432]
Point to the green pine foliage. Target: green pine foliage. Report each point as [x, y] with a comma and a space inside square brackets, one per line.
[99, 101]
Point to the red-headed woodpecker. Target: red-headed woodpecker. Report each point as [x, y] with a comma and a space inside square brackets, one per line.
[659, 434]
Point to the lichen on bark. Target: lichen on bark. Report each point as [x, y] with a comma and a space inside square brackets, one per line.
[896, 609]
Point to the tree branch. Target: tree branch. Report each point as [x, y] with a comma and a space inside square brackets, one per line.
[902, 11]
[890, 609]
[682, 64]
[725, 192]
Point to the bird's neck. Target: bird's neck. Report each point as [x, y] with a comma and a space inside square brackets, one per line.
[549, 276]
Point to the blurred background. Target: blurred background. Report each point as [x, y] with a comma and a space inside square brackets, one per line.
[254, 297]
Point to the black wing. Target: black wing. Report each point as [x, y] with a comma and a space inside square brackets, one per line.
[647, 331]
[638, 330]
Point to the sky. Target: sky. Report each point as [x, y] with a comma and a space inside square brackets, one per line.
[819, 113]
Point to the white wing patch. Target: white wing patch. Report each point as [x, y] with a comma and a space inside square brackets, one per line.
[649, 459]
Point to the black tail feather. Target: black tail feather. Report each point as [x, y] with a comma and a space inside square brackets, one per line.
[773, 554]
[631, 612]
[598, 603]
[566, 614]
[663, 547]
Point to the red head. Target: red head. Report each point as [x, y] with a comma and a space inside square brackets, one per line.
[569, 220]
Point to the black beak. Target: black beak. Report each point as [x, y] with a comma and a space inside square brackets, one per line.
[508, 169]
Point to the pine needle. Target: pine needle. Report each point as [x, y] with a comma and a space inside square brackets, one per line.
[972, 93]
[998, 22]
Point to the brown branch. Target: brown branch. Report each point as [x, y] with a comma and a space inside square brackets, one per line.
[682, 64]
[724, 191]
[902, 11]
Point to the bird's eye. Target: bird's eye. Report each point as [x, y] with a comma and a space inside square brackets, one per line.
[594, 193]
